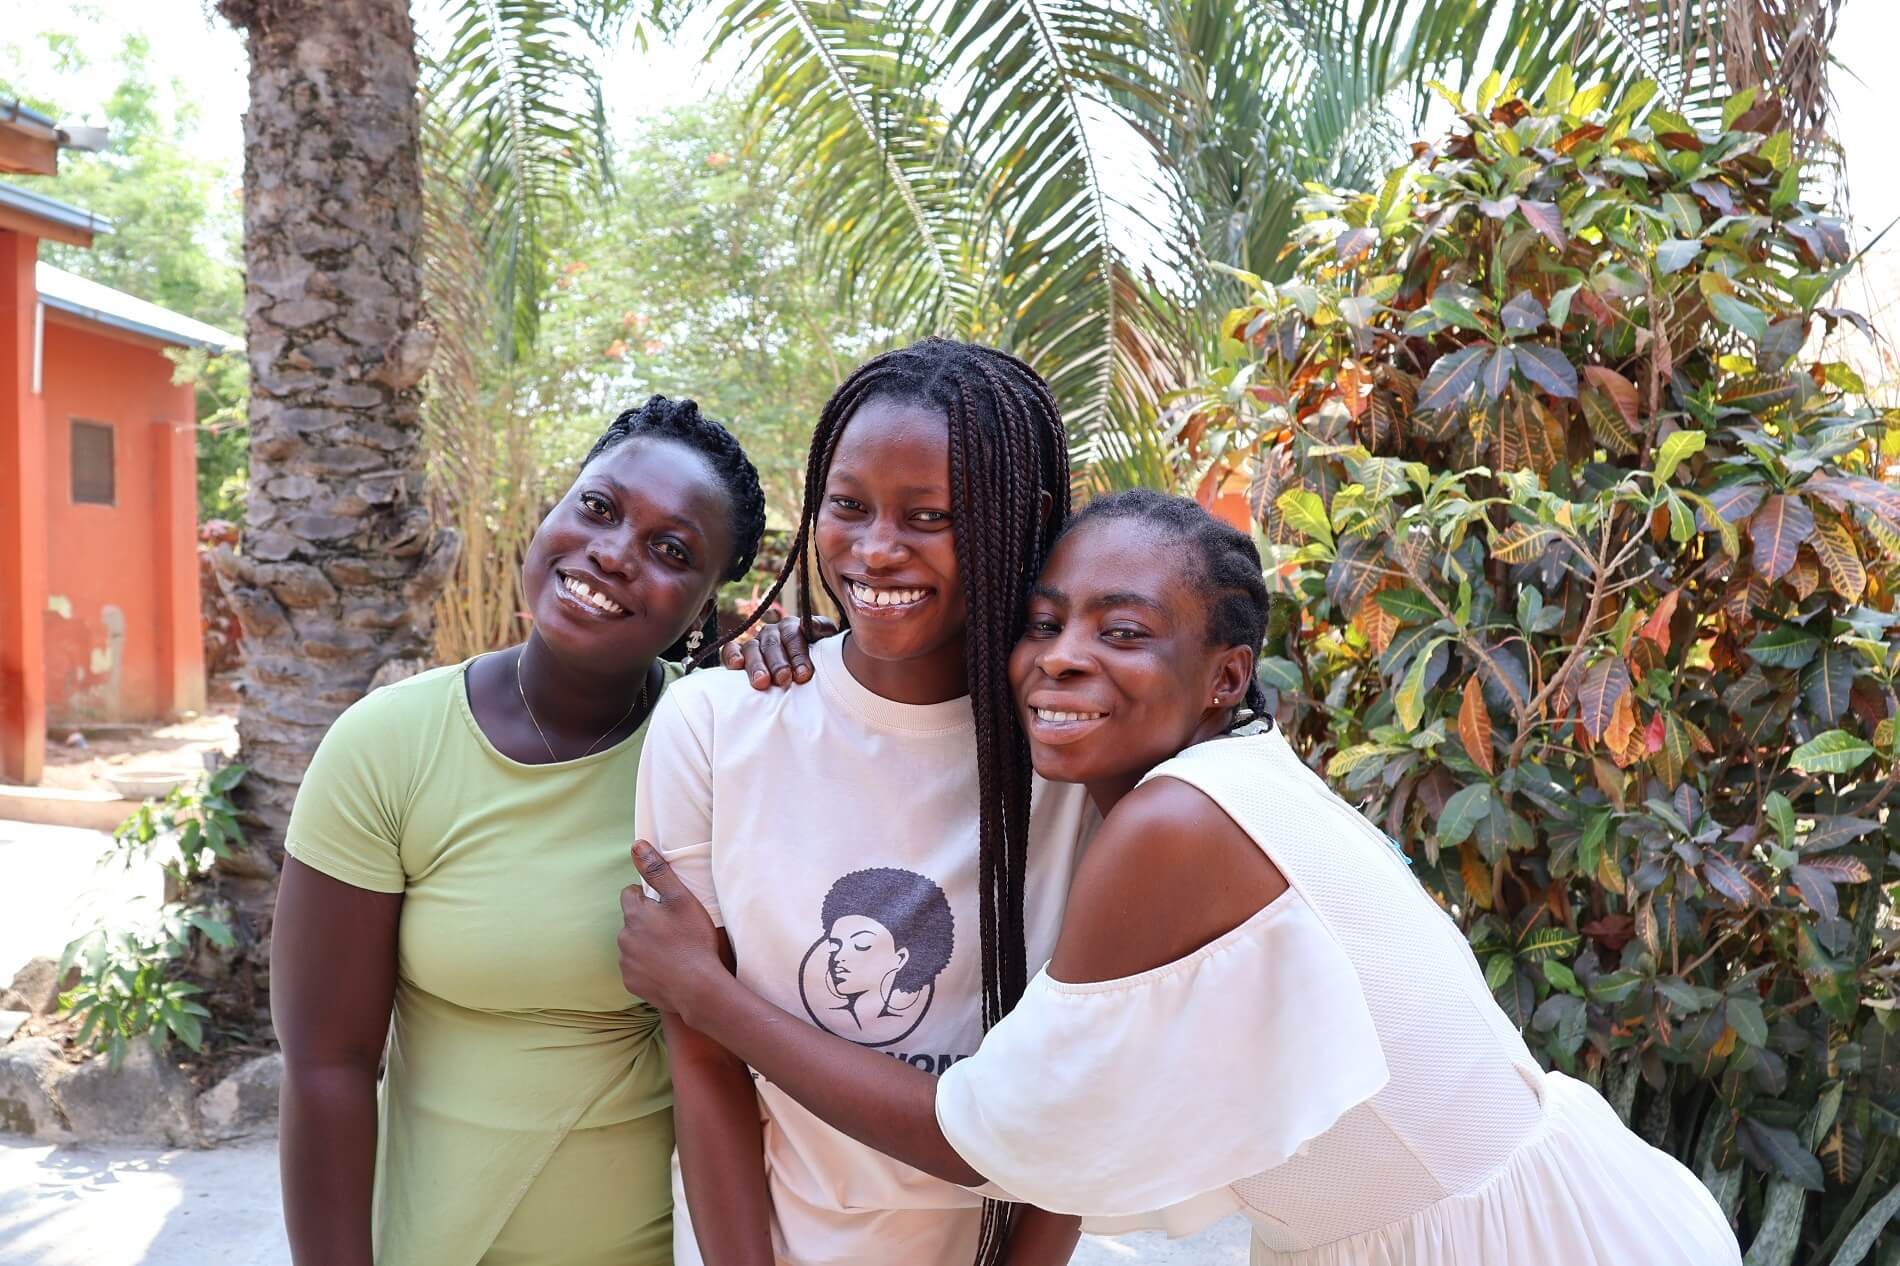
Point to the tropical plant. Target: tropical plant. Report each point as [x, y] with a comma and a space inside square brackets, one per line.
[132, 979]
[692, 279]
[518, 130]
[968, 161]
[1595, 570]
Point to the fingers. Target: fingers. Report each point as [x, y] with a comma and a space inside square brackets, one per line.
[732, 655]
[656, 870]
[773, 650]
[755, 666]
[797, 653]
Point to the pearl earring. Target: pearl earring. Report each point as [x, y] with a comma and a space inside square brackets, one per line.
[693, 640]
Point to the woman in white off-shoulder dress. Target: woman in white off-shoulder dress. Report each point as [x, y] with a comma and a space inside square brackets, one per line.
[1253, 1007]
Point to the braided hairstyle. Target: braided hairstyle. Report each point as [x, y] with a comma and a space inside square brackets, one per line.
[1008, 454]
[1229, 573]
[682, 422]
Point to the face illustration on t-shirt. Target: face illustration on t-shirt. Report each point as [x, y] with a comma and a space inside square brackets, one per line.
[886, 934]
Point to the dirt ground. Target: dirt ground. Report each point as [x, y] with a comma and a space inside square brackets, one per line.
[77, 758]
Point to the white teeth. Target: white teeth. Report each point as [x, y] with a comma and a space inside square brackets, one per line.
[580, 590]
[869, 597]
[1048, 714]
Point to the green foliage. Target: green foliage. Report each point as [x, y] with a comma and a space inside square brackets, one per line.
[131, 976]
[224, 435]
[1596, 569]
[965, 158]
[691, 279]
[175, 213]
[515, 88]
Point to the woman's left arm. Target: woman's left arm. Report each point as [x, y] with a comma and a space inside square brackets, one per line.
[1125, 916]
[882, 1102]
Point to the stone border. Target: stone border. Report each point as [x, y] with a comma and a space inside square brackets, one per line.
[146, 1099]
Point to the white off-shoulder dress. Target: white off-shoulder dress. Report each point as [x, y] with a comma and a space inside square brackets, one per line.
[1334, 1069]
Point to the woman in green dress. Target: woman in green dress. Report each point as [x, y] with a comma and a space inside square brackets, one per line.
[456, 856]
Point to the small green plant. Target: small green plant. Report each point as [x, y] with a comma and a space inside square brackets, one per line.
[130, 969]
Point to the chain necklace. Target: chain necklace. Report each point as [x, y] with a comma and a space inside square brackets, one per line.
[646, 683]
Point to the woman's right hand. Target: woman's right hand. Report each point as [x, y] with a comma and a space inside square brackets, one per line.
[779, 655]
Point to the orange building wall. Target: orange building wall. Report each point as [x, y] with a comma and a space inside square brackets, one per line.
[121, 622]
[22, 519]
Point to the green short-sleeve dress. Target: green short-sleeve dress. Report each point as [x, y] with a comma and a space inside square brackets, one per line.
[526, 1110]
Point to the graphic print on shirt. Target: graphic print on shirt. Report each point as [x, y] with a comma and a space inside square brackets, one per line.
[884, 936]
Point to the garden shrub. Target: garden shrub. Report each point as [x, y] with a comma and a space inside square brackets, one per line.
[1593, 562]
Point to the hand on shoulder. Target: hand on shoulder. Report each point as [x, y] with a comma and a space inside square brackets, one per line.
[1167, 873]
[779, 655]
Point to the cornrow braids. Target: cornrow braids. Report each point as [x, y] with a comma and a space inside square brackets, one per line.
[1229, 573]
[682, 422]
[1008, 461]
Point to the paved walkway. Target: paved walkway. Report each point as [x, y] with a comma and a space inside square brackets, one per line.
[54, 887]
[87, 1206]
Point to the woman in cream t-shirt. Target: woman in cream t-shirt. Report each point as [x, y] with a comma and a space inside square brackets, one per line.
[851, 902]
[838, 830]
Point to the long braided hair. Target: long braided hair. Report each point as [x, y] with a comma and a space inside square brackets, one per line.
[1008, 461]
[682, 422]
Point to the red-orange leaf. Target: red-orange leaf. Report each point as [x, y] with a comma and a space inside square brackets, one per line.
[1622, 724]
[1620, 390]
[1378, 624]
[1777, 529]
[1656, 627]
[1805, 577]
[1604, 683]
[1477, 875]
[1474, 727]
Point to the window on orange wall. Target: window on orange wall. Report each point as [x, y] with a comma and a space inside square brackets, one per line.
[92, 464]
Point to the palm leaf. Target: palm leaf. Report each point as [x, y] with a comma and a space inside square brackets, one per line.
[518, 89]
[843, 99]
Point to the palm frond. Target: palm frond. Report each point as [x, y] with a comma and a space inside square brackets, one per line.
[843, 101]
[957, 186]
[518, 89]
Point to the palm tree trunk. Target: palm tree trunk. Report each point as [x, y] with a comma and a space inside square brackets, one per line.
[339, 561]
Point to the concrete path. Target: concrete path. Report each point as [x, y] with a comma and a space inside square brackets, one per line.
[52, 886]
[88, 1206]
[85, 1206]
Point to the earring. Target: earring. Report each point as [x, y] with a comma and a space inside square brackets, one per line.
[693, 640]
[1216, 702]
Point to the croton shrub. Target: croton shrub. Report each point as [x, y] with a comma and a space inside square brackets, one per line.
[1592, 566]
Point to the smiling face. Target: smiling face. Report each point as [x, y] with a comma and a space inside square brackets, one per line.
[630, 558]
[1114, 673]
[885, 543]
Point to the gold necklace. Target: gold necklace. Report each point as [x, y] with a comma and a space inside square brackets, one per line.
[646, 683]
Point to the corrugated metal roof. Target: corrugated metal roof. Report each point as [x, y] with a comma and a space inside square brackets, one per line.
[65, 292]
[37, 204]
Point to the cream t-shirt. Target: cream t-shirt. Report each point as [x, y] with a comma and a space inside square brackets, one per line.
[833, 834]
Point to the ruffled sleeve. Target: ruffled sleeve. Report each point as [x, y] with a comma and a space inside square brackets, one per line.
[1126, 1097]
